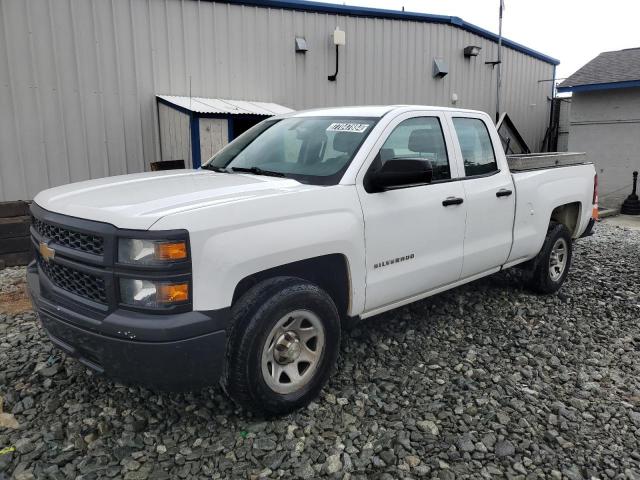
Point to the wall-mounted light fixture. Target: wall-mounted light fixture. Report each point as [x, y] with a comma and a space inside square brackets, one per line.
[472, 51]
[301, 45]
[338, 39]
[440, 68]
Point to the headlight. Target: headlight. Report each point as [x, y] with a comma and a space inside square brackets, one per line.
[152, 294]
[151, 252]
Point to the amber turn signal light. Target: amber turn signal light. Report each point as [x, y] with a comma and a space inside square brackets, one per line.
[173, 292]
[171, 251]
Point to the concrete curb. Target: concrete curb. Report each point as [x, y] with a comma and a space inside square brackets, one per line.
[608, 212]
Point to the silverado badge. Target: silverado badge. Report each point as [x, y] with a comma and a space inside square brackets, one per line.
[46, 252]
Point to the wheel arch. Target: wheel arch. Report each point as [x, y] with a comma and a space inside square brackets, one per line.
[568, 214]
[330, 272]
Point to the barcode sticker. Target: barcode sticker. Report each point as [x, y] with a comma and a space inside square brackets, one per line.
[348, 127]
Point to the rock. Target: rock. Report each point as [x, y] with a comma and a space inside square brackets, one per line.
[306, 471]
[141, 474]
[412, 461]
[518, 467]
[503, 418]
[24, 475]
[24, 445]
[573, 473]
[465, 444]
[489, 440]
[504, 448]
[332, 464]
[428, 426]
[263, 443]
[446, 475]
[7, 420]
[49, 371]
[130, 464]
[388, 457]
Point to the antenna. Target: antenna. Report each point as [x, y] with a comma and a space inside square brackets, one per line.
[499, 64]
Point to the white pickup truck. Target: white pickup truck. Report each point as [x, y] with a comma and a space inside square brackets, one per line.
[243, 271]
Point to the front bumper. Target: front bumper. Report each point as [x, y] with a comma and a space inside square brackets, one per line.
[181, 351]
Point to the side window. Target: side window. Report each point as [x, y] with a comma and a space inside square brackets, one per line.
[419, 137]
[475, 143]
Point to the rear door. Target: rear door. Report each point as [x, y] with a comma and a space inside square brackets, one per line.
[414, 234]
[489, 193]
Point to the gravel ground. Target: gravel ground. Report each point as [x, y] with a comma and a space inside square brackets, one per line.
[484, 381]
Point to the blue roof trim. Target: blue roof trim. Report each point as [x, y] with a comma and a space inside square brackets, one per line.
[600, 86]
[395, 15]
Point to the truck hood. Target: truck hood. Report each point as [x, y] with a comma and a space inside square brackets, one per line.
[138, 201]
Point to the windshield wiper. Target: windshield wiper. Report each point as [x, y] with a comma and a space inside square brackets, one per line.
[216, 168]
[258, 171]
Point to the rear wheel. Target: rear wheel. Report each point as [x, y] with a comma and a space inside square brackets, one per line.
[283, 344]
[551, 266]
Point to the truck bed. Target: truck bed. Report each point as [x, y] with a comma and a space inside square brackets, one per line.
[533, 161]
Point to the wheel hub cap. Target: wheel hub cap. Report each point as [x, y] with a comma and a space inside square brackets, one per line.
[558, 259]
[293, 351]
[287, 349]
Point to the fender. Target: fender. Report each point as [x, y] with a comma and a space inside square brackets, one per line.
[538, 194]
[251, 237]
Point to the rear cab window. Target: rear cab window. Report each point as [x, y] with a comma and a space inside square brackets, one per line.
[475, 144]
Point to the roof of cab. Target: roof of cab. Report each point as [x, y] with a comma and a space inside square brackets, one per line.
[370, 110]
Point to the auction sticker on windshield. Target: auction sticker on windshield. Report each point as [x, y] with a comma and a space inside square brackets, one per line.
[348, 127]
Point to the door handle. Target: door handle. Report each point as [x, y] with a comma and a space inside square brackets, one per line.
[503, 192]
[452, 201]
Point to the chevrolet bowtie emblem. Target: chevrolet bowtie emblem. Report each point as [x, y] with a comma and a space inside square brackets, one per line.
[46, 252]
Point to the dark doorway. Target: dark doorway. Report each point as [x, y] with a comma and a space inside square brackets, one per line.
[242, 123]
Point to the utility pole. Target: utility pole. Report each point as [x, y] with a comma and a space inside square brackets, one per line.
[499, 62]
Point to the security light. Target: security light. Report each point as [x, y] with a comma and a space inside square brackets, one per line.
[338, 37]
[472, 51]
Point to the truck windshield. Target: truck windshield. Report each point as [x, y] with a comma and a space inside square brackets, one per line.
[314, 150]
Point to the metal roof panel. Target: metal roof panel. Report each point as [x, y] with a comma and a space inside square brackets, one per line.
[225, 106]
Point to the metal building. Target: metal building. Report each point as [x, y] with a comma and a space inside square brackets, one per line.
[79, 78]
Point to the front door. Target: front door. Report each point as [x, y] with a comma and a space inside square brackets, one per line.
[414, 234]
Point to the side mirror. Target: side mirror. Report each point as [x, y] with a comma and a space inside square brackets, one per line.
[399, 172]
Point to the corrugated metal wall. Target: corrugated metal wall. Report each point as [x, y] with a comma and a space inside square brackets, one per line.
[78, 77]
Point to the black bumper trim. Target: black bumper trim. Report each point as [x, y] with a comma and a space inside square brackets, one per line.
[589, 230]
[174, 352]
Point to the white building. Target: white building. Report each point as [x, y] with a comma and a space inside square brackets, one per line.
[605, 119]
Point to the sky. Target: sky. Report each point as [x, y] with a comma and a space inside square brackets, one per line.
[573, 31]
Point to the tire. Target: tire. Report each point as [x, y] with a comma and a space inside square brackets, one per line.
[551, 265]
[267, 323]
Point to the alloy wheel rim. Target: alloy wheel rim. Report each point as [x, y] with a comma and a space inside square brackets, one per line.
[558, 259]
[293, 351]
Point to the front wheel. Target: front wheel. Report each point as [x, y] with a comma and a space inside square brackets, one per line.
[551, 266]
[283, 344]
